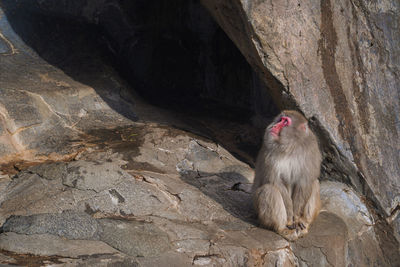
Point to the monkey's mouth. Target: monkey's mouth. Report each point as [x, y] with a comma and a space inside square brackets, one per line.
[276, 129]
[283, 122]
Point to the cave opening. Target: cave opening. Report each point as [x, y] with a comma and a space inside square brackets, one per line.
[173, 54]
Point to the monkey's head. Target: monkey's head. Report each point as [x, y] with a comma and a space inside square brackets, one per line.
[288, 127]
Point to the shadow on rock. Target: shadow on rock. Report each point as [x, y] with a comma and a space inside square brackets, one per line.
[97, 46]
[72, 42]
[230, 189]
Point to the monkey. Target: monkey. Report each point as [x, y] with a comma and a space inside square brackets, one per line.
[286, 187]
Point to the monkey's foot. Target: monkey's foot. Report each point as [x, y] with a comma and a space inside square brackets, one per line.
[301, 225]
[289, 234]
[302, 228]
[291, 226]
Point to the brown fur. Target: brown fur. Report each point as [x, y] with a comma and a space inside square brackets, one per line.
[286, 186]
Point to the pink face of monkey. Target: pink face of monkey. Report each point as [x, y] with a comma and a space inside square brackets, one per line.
[277, 128]
[289, 127]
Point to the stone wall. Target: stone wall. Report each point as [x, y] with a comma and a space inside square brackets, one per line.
[338, 62]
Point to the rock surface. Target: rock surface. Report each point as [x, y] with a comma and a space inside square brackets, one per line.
[338, 61]
[92, 175]
[199, 217]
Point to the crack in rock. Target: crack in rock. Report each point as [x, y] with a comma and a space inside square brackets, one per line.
[393, 215]
[116, 197]
[175, 198]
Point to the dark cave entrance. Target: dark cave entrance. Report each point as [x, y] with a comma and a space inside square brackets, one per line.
[172, 53]
[186, 61]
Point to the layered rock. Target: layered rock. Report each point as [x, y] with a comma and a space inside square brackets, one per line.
[93, 175]
[338, 62]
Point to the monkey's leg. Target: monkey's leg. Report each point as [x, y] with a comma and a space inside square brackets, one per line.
[270, 207]
[311, 209]
[271, 210]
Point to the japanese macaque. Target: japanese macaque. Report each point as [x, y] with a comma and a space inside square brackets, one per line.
[286, 186]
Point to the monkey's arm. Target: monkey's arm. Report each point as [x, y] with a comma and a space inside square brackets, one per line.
[287, 200]
[301, 195]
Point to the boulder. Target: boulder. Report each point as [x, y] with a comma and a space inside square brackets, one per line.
[91, 174]
[337, 61]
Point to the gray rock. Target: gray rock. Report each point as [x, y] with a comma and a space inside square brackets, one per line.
[131, 192]
[205, 209]
[44, 112]
[396, 224]
[282, 257]
[100, 260]
[325, 243]
[362, 229]
[172, 259]
[94, 176]
[130, 197]
[337, 62]
[68, 224]
[4, 182]
[341, 200]
[209, 232]
[29, 194]
[52, 171]
[48, 245]
[135, 238]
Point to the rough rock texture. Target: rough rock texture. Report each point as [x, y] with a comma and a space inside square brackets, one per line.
[184, 217]
[338, 61]
[92, 175]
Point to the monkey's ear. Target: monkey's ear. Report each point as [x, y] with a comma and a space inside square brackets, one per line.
[304, 127]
